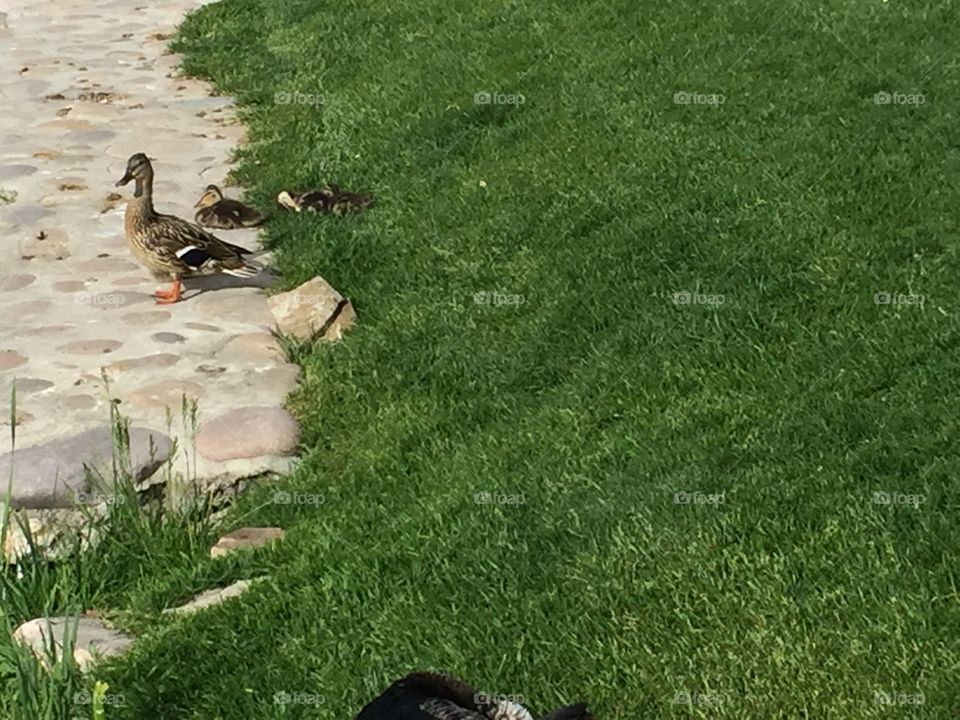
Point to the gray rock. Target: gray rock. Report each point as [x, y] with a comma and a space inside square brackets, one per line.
[53, 474]
[92, 640]
[312, 309]
[246, 538]
[249, 432]
[16, 545]
[210, 598]
[10, 172]
[53, 534]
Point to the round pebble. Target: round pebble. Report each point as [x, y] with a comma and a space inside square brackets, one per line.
[12, 283]
[168, 337]
[108, 264]
[32, 385]
[203, 327]
[69, 285]
[90, 347]
[251, 348]
[29, 307]
[158, 361]
[166, 393]
[12, 172]
[43, 331]
[10, 359]
[151, 317]
[79, 402]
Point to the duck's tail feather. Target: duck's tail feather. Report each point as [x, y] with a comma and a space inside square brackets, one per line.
[249, 269]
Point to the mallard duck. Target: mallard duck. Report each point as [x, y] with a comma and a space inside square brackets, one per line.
[328, 200]
[438, 696]
[216, 211]
[172, 248]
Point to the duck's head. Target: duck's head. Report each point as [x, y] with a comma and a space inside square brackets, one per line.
[290, 201]
[138, 168]
[211, 196]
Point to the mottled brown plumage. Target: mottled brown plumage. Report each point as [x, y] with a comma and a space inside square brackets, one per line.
[169, 247]
[216, 211]
[328, 200]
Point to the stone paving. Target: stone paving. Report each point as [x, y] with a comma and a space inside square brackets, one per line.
[85, 84]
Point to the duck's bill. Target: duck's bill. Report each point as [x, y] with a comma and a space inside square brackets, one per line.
[124, 180]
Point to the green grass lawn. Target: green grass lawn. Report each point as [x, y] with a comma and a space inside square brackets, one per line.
[780, 200]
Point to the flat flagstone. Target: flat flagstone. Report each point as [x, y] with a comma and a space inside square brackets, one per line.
[167, 393]
[10, 359]
[211, 598]
[92, 639]
[249, 432]
[12, 283]
[150, 363]
[251, 348]
[246, 538]
[59, 469]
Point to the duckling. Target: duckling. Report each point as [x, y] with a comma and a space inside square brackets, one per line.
[315, 201]
[172, 248]
[328, 200]
[438, 696]
[216, 211]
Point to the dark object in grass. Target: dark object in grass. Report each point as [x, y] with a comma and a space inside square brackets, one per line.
[437, 696]
[328, 200]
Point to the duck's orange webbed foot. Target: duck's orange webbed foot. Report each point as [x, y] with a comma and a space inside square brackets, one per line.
[167, 297]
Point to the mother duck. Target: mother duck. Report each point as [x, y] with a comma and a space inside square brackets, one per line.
[172, 248]
[438, 696]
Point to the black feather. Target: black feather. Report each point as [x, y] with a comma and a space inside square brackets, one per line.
[570, 712]
[425, 696]
[194, 257]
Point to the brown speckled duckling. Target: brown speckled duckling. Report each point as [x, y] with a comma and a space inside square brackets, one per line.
[328, 200]
[216, 211]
